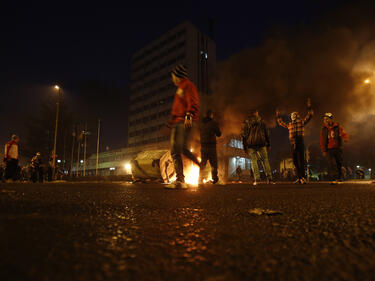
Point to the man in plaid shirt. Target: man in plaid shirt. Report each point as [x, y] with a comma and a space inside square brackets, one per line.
[296, 137]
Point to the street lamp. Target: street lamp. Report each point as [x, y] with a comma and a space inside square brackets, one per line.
[58, 89]
[367, 81]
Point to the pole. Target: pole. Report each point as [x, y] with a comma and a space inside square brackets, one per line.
[64, 154]
[72, 155]
[97, 148]
[78, 150]
[84, 151]
[55, 139]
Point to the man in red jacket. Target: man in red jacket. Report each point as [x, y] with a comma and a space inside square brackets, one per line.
[331, 142]
[185, 110]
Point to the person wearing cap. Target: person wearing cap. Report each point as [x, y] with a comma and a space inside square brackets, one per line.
[36, 168]
[11, 158]
[256, 143]
[296, 137]
[332, 137]
[185, 110]
[209, 130]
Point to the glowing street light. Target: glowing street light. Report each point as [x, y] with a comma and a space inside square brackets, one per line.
[58, 89]
[367, 81]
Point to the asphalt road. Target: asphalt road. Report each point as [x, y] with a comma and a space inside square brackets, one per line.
[121, 231]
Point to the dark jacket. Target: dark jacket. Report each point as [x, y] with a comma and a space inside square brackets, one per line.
[255, 133]
[209, 130]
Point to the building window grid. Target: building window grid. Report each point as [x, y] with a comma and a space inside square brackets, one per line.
[165, 53]
[158, 45]
[159, 68]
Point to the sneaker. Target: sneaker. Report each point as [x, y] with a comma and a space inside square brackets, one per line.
[176, 185]
[270, 181]
[182, 185]
[170, 186]
[302, 180]
[255, 183]
[334, 182]
[298, 181]
[214, 181]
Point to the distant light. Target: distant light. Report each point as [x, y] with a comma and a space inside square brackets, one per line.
[81, 161]
[367, 81]
[206, 55]
[112, 168]
[57, 87]
[191, 150]
[369, 169]
[58, 161]
[357, 166]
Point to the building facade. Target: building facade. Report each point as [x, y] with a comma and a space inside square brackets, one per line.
[152, 91]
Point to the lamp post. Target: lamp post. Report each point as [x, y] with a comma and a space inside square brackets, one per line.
[56, 127]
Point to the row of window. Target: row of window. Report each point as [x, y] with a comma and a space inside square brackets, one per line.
[152, 82]
[146, 119]
[160, 67]
[161, 44]
[146, 131]
[159, 57]
[152, 105]
[149, 141]
[153, 93]
[236, 143]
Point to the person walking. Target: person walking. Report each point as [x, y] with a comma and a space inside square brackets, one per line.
[296, 137]
[256, 143]
[36, 168]
[209, 130]
[185, 110]
[332, 137]
[11, 158]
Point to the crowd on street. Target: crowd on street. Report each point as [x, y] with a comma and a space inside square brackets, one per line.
[184, 114]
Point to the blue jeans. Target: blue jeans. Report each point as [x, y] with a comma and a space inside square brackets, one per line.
[180, 137]
[262, 152]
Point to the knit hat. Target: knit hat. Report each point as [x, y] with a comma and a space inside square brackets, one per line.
[14, 137]
[328, 114]
[180, 71]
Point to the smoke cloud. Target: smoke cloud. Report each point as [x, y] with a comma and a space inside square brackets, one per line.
[328, 62]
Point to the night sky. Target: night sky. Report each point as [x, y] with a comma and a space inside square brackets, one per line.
[87, 47]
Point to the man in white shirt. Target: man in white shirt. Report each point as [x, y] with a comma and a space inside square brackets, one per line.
[11, 158]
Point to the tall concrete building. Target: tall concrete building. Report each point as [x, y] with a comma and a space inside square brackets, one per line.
[152, 90]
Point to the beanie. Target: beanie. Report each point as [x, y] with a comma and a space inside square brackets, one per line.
[180, 71]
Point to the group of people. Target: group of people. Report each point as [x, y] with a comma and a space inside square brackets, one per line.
[254, 133]
[34, 171]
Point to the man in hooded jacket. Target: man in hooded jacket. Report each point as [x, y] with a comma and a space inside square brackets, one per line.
[256, 142]
[185, 110]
